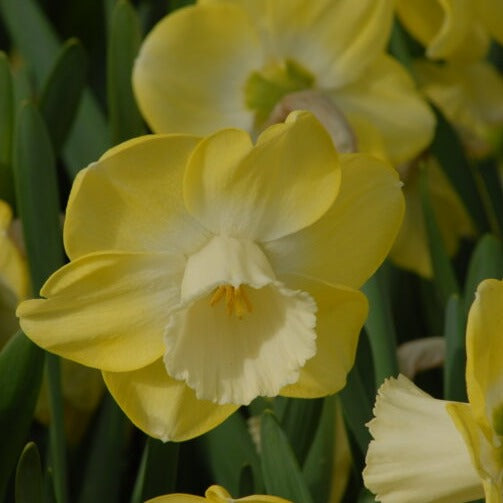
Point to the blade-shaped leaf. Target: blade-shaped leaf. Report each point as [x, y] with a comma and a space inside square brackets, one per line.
[29, 487]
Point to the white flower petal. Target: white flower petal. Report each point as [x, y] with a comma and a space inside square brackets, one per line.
[417, 454]
[232, 356]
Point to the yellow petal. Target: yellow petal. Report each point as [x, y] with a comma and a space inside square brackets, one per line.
[386, 97]
[162, 407]
[417, 454]
[491, 14]
[410, 250]
[341, 314]
[190, 71]
[284, 183]
[484, 349]
[334, 40]
[368, 211]
[131, 200]
[470, 96]
[448, 28]
[106, 310]
[485, 458]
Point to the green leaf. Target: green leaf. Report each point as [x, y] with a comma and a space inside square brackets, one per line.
[448, 150]
[299, 419]
[158, 470]
[39, 46]
[123, 44]
[280, 469]
[486, 262]
[357, 408]
[380, 327]
[6, 131]
[37, 195]
[445, 279]
[490, 175]
[22, 362]
[455, 354]
[228, 448]
[318, 467]
[62, 92]
[104, 469]
[29, 487]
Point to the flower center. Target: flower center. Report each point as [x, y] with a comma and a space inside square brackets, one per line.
[236, 300]
[266, 87]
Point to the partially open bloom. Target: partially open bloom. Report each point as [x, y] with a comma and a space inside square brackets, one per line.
[230, 63]
[453, 29]
[216, 494]
[433, 450]
[206, 273]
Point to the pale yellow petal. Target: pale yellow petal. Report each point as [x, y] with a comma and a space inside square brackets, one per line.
[333, 40]
[131, 200]
[470, 96]
[484, 349]
[106, 310]
[231, 350]
[285, 182]
[340, 317]
[417, 454]
[485, 458]
[386, 97]
[447, 28]
[191, 69]
[368, 211]
[162, 407]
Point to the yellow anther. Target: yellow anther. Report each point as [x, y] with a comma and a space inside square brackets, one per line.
[236, 300]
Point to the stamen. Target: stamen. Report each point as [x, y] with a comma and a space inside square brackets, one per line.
[236, 300]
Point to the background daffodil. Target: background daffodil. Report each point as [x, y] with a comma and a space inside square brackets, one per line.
[433, 450]
[225, 63]
[215, 494]
[217, 270]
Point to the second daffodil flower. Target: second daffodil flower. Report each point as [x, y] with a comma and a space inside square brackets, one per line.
[205, 273]
[433, 450]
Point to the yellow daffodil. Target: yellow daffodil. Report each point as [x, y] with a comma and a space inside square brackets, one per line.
[207, 272]
[230, 63]
[426, 449]
[453, 29]
[410, 249]
[471, 97]
[215, 494]
[14, 284]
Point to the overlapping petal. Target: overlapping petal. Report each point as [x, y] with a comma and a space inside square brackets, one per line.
[256, 193]
[190, 71]
[368, 210]
[385, 96]
[162, 407]
[131, 200]
[417, 454]
[484, 348]
[341, 314]
[106, 310]
[340, 50]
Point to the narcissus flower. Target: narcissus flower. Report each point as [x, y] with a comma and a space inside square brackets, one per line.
[471, 97]
[453, 29]
[230, 63]
[206, 273]
[215, 494]
[433, 450]
[14, 283]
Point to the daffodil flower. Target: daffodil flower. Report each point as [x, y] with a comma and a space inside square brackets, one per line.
[458, 30]
[14, 284]
[426, 449]
[229, 63]
[215, 494]
[471, 97]
[205, 273]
